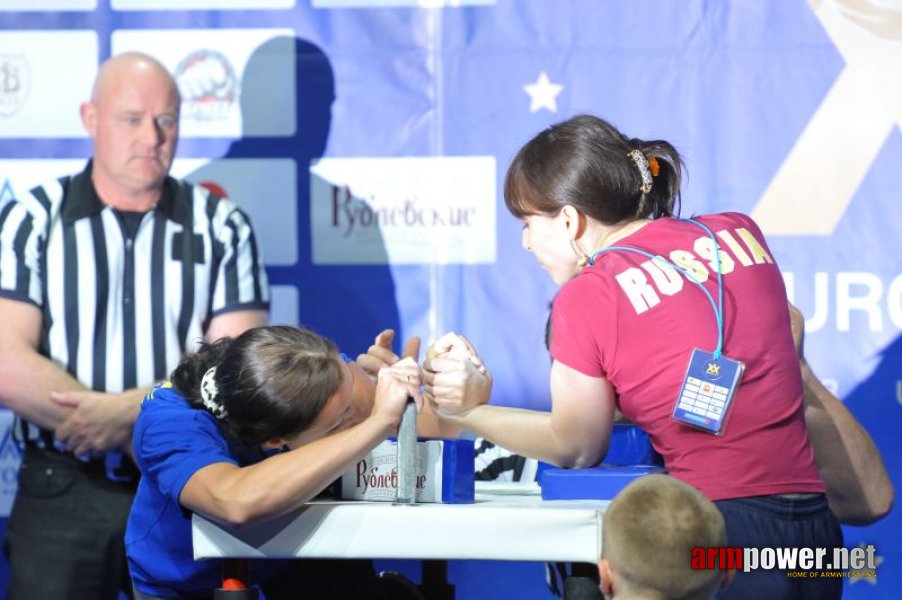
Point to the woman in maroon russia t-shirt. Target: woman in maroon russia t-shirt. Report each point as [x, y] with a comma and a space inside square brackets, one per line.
[643, 294]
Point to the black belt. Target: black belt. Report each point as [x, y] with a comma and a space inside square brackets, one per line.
[116, 465]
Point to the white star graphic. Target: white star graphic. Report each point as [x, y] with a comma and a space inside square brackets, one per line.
[543, 93]
[866, 571]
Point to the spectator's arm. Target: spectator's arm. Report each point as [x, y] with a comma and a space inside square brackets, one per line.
[858, 488]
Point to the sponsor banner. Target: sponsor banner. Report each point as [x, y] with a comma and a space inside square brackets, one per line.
[410, 210]
[375, 476]
[10, 457]
[210, 65]
[200, 4]
[386, 3]
[19, 5]
[266, 188]
[444, 473]
[42, 88]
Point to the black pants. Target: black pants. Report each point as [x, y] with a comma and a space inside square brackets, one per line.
[65, 536]
[323, 579]
[779, 522]
[309, 579]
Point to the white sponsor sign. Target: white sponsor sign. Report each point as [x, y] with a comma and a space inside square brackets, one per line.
[44, 78]
[384, 3]
[199, 4]
[10, 457]
[411, 210]
[375, 476]
[210, 66]
[266, 188]
[48, 5]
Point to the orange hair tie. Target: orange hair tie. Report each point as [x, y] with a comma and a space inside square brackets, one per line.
[653, 166]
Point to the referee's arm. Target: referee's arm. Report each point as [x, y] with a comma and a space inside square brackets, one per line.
[105, 421]
[26, 377]
[39, 391]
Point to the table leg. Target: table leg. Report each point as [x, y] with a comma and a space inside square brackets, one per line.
[435, 584]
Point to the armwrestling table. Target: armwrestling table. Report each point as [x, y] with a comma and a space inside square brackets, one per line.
[507, 521]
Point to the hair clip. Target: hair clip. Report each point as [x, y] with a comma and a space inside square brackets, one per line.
[208, 392]
[653, 166]
[644, 171]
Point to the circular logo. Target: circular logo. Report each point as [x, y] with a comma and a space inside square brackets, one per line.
[207, 84]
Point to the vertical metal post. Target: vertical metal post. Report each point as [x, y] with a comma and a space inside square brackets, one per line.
[407, 455]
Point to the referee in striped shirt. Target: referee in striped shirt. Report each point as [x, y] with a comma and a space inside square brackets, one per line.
[106, 279]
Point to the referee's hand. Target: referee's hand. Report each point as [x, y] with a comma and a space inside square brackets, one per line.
[99, 421]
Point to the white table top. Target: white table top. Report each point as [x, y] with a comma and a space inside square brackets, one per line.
[507, 522]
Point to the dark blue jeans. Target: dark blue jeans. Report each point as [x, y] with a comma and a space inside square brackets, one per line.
[65, 536]
[781, 522]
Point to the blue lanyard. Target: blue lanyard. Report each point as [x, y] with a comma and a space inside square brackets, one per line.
[717, 307]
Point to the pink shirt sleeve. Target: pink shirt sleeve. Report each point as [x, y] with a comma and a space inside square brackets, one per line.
[583, 327]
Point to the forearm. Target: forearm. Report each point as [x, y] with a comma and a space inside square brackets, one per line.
[530, 433]
[283, 482]
[26, 382]
[430, 425]
[858, 488]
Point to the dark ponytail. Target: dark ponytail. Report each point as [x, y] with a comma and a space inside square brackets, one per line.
[585, 162]
[188, 374]
[664, 198]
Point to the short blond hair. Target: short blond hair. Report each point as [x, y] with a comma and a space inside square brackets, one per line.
[649, 531]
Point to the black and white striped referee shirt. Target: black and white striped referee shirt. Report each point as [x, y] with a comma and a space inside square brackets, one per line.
[119, 313]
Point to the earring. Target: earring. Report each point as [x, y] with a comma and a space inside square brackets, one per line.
[582, 259]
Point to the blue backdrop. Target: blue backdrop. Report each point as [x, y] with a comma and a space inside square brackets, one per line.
[368, 138]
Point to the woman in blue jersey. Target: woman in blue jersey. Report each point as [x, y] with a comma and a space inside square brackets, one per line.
[251, 428]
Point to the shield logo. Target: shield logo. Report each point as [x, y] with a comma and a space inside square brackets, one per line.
[14, 82]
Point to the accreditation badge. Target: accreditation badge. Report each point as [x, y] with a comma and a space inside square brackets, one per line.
[707, 391]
